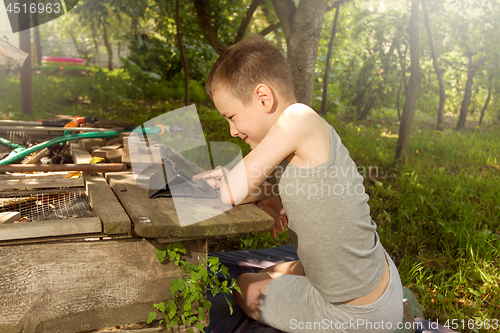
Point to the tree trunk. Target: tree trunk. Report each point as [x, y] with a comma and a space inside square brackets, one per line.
[38, 43]
[96, 46]
[26, 75]
[368, 107]
[302, 28]
[437, 69]
[412, 95]
[328, 63]
[402, 84]
[246, 20]
[206, 27]
[183, 56]
[107, 44]
[487, 100]
[464, 108]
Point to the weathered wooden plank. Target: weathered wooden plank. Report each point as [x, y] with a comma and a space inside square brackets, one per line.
[106, 206]
[85, 144]
[79, 155]
[50, 228]
[158, 217]
[101, 152]
[83, 286]
[65, 238]
[9, 217]
[12, 53]
[116, 155]
[10, 182]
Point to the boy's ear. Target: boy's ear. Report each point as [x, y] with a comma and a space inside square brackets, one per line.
[264, 96]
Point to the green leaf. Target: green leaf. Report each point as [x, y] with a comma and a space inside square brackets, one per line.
[161, 307]
[187, 306]
[172, 256]
[179, 247]
[200, 326]
[213, 261]
[207, 304]
[174, 286]
[201, 314]
[195, 275]
[151, 317]
[160, 254]
[172, 309]
[230, 306]
[204, 275]
[224, 286]
[175, 321]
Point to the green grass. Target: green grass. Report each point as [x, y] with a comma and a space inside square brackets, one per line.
[438, 215]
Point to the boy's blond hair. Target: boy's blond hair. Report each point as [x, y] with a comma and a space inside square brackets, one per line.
[248, 63]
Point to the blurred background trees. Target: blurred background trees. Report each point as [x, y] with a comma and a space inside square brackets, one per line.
[362, 73]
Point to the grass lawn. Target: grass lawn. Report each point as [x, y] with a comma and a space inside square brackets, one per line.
[438, 215]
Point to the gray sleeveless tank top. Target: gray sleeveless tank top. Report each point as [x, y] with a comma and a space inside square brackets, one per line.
[330, 224]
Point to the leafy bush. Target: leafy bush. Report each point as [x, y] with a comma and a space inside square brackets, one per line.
[189, 304]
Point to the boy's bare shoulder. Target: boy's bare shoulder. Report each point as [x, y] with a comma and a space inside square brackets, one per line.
[301, 116]
[299, 110]
[310, 134]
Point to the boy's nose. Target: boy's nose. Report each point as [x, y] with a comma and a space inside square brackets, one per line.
[232, 129]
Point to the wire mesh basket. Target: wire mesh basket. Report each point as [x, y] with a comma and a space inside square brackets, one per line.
[48, 204]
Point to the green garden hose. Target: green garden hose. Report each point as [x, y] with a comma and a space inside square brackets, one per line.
[19, 153]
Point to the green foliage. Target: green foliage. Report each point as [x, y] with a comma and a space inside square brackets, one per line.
[188, 305]
[137, 73]
[438, 216]
[255, 240]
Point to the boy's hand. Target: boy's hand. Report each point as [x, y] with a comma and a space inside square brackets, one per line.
[275, 209]
[213, 177]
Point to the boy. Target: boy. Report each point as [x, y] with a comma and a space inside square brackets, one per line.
[344, 280]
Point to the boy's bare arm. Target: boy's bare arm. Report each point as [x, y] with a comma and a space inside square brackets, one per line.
[292, 134]
[265, 191]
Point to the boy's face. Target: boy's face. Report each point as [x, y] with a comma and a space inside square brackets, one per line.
[248, 122]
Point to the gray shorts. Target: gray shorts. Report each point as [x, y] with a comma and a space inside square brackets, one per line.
[291, 304]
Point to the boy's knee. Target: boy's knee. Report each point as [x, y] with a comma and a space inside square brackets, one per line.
[252, 286]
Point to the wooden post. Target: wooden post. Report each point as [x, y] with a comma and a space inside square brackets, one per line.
[26, 79]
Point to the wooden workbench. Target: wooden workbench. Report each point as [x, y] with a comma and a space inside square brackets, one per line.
[109, 275]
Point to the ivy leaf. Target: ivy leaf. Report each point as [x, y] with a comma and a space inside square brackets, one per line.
[174, 321]
[151, 317]
[204, 275]
[172, 256]
[213, 261]
[161, 307]
[174, 286]
[224, 286]
[201, 314]
[179, 247]
[187, 306]
[195, 275]
[160, 254]
[230, 306]
[172, 309]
